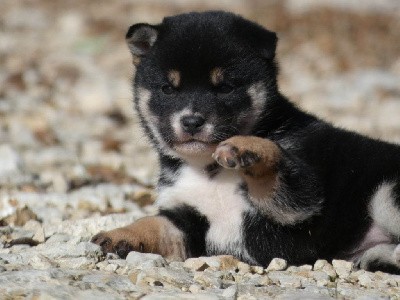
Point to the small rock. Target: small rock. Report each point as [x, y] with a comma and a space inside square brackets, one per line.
[76, 262]
[321, 278]
[32, 225]
[264, 281]
[195, 264]
[320, 264]
[285, 280]
[10, 161]
[277, 264]
[122, 270]
[133, 275]
[39, 235]
[305, 268]
[102, 265]
[243, 267]
[40, 262]
[365, 279]
[58, 238]
[119, 262]
[228, 262]
[230, 292]
[113, 256]
[208, 279]
[342, 268]
[176, 264]
[213, 261]
[325, 266]
[111, 268]
[167, 276]
[257, 270]
[195, 288]
[145, 260]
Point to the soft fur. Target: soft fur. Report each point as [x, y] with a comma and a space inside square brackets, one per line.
[244, 171]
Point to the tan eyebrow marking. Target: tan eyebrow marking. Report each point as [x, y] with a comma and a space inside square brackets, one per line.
[216, 76]
[174, 78]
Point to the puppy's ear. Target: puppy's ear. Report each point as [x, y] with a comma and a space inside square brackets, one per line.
[257, 37]
[140, 38]
[267, 43]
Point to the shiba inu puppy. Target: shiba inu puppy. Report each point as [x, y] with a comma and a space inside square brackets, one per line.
[243, 171]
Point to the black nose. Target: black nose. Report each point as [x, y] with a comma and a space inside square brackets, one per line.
[192, 124]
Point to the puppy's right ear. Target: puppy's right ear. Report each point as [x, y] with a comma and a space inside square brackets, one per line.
[140, 38]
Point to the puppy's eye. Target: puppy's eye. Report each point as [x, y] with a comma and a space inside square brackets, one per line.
[224, 89]
[167, 89]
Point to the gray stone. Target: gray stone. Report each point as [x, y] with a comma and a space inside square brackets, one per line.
[208, 279]
[326, 267]
[257, 270]
[365, 279]
[145, 260]
[167, 276]
[76, 262]
[284, 279]
[321, 278]
[195, 288]
[230, 292]
[196, 264]
[173, 296]
[41, 262]
[300, 295]
[243, 267]
[277, 264]
[10, 160]
[342, 268]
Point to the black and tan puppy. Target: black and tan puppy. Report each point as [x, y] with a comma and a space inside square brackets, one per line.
[243, 171]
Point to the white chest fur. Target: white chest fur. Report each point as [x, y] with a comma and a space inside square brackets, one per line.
[219, 199]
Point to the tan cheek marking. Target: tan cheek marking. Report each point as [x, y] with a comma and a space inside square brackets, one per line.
[174, 78]
[216, 76]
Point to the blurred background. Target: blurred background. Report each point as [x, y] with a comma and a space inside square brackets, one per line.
[66, 117]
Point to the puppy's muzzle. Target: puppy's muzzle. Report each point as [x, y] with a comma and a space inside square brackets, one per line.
[192, 124]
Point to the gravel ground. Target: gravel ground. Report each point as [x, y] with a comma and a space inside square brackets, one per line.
[73, 162]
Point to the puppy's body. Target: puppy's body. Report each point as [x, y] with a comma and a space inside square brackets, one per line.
[243, 171]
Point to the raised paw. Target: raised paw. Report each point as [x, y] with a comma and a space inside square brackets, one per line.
[149, 234]
[247, 152]
[230, 157]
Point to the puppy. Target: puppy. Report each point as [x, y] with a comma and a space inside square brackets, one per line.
[243, 171]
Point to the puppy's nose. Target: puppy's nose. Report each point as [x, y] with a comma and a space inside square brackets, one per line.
[192, 124]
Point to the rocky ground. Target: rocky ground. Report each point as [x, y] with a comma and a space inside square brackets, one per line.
[73, 162]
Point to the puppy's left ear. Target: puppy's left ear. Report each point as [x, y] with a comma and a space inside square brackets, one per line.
[261, 39]
[140, 38]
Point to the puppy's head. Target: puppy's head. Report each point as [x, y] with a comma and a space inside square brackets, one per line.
[201, 78]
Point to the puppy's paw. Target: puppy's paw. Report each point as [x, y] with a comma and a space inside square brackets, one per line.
[230, 157]
[120, 241]
[245, 152]
[149, 234]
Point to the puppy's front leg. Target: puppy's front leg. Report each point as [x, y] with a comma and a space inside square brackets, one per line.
[282, 186]
[149, 234]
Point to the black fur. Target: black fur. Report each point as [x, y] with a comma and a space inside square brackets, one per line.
[193, 225]
[377, 265]
[294, 243]
[328, 172]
